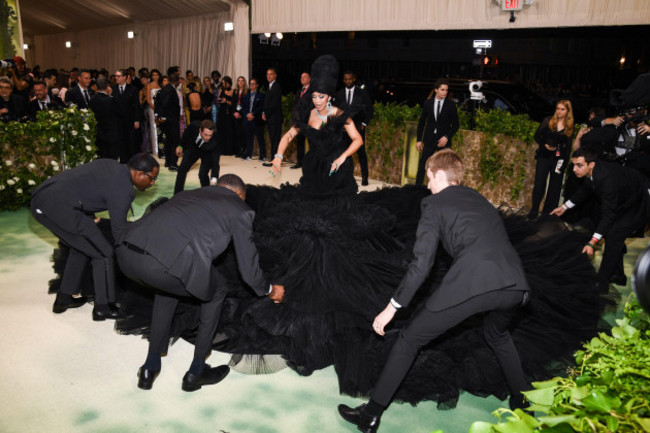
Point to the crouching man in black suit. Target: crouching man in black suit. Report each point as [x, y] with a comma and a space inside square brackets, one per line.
[199, 142]
[198, 225]
[624, 209]
[486, 277]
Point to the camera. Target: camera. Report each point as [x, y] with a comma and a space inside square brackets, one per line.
[7, 64]
[474, 90]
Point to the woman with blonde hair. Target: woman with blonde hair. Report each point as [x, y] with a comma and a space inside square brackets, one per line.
[240, 91]
[554, 139]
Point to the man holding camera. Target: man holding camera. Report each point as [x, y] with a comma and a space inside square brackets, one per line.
[21, 79]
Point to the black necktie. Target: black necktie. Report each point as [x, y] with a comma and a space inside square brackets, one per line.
[439, 109]
[349, 96]
[200, 142]
[86, 97]
[121, 90]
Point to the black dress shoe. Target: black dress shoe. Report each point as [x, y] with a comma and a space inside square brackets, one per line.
[293, 167]
[365, 423]
[173, 168]
[61, 304]
[110, 311]
[619, 279]
[210, 376]
[364, 181]
[146, 377]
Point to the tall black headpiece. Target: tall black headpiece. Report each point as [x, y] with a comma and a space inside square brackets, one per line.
[324, 75]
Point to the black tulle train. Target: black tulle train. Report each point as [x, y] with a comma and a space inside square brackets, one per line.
[341, 257]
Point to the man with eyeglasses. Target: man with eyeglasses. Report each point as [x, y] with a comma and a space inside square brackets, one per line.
[66, 204]
[12, 107]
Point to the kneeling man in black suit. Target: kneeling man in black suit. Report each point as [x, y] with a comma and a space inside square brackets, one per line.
[198, 225]
[199, 142]
[486, 277]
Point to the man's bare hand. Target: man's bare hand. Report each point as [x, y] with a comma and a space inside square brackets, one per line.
[443, 141]
[558, 211]
[277, 293]
[419, 145]
[384, 319]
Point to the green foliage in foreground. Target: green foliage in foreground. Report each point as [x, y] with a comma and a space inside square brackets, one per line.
[607, 392]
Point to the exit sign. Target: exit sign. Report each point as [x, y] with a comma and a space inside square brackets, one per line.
[512, 5]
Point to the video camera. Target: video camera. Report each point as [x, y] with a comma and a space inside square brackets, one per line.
[7, 64]
[631, 103]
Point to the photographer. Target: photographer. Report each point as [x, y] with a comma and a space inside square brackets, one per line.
[13, 107]
[21, 79]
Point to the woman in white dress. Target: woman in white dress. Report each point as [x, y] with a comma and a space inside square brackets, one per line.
[152, 88]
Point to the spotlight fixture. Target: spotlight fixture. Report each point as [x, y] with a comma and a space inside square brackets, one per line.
[25, 46]
[268, 35]
[228, 27]
[275, 41]
[279, 36]
[264, 40]
[68, 44]
[130, 34]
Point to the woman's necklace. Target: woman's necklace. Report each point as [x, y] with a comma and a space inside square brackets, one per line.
[324, 117]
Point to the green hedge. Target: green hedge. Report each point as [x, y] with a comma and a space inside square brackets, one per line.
[34, 151]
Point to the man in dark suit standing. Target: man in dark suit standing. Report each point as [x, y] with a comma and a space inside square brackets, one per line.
[43, 100]
[198, 225]
[198, 142]
[66, 204]
[108, 124]
[438, 124]
[253, 124]
[167, 108]
[272, 111]
[470, 229]
[125, 97]
[81, 93]
[356, 102]
[624, 208]
[303, 92]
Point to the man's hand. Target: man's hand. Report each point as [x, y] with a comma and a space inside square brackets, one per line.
[179, 151]
[443, 141]
[250, 117]
[643, 129]
[384, 319]
[136, 125]
[559, 211]
[264, 117]
[277, 293]
[549, 147]
[419, 145]
[589, 250]
[616, 121]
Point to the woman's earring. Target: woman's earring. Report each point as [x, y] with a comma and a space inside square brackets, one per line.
[329, 104]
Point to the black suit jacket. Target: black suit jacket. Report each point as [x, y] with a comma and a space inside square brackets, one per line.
[446, 125]
[103, 184]
[199, 225]
[18, 109]
[258, 104]
[273, 104]
[190, 135]
[34, 107]
[471, 231]
[128, 103]
[361, 109]
[620, 190]
[106, 113]
[75, 96]
[167, 103]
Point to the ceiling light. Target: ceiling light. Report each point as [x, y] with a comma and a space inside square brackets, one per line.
[130, 35]
[68, 44]
[229, 27]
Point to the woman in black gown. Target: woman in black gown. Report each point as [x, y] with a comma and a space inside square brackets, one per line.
[341, 254]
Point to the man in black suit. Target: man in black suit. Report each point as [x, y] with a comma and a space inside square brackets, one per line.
[470, 229]
[356, 102]
[198, 225]
[253, 125]
[81, 93]
[13, 108]
[129, 111]
[303, 92]
[167, 108]
[108, 124]
[624, 209]
[272, 112]
[43, 100]
[198, 142]
[66, 204]
[438, 124]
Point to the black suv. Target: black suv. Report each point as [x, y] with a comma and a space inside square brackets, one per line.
[515, 98]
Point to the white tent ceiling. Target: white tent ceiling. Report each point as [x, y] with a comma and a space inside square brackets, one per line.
[43, 17]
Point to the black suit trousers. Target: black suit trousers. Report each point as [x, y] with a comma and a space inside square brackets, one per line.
[87, 244]
[275, 134]
[146, 270]
[300, 148]
[209, 161]
[252, 130]
[426, 326]
[172, 131]
[427, 151]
